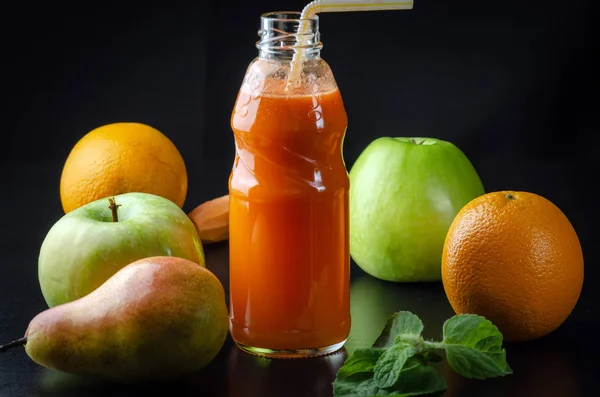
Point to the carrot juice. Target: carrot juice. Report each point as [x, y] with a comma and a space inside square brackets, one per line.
[289, 242]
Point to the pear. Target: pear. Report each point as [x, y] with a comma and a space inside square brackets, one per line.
[156, 319]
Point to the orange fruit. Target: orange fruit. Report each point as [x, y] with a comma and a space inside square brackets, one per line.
[122, 158]
[514, 258]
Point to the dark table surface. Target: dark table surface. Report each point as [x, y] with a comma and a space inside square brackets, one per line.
[565, 363]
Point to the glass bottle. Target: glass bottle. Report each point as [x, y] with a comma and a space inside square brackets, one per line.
[288, 189]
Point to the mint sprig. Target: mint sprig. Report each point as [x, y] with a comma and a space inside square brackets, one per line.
[398, 364]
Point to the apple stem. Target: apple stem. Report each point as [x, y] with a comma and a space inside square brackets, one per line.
[18, 342]
[114, 207]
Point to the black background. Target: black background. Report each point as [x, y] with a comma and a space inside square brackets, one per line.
[513, 84]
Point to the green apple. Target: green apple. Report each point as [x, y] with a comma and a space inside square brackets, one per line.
[88, 245]
[404, 194]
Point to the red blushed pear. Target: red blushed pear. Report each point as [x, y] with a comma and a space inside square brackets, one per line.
[156, 319]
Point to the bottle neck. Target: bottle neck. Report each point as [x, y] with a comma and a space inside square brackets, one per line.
[283, 33]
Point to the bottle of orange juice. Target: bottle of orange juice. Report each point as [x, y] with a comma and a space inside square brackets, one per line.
[289, 244]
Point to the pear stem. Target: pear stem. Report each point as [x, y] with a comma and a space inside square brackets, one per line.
[114, 207]
[18, 342]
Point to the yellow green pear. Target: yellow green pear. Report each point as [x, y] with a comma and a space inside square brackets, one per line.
[156, 319]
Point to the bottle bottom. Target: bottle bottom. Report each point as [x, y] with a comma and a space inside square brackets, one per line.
[291, 354]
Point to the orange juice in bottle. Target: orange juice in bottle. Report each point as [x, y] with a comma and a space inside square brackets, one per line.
[288, 189]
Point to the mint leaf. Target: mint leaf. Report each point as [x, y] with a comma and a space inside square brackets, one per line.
[431, 356]
[361, 384]
[416, 379]
[399, 323]
[397, 364]
[474, 347]
[391, 363]
[362, 360]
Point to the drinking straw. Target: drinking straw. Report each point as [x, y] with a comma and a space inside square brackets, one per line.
[319, 6]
